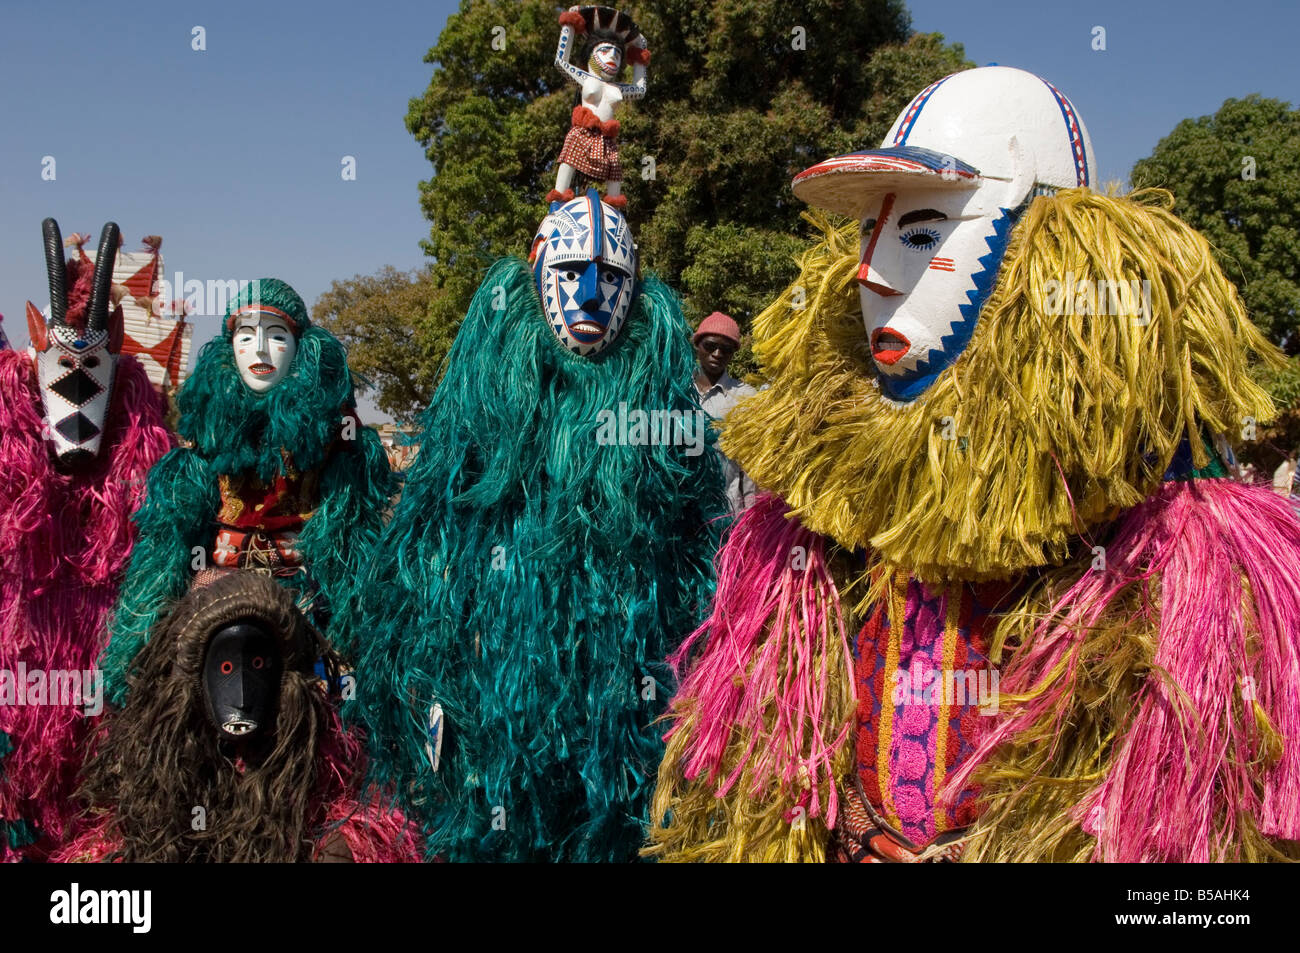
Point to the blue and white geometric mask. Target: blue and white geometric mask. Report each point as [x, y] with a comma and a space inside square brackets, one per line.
[585, 271]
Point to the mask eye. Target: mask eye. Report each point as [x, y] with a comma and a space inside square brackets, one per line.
[868, 226]
[570, 276]
[67, 362]
[91, 361]
[259, 663]
[920, 239]
[609, 276]
[227, 668]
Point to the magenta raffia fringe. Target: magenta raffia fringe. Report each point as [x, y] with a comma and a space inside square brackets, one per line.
[757, 677]
[1210, 751]
[65, 539]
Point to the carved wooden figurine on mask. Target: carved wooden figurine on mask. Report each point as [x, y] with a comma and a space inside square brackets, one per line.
[591, 146]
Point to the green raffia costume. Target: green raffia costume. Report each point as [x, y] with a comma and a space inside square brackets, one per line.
[301, 426]
[533, 579]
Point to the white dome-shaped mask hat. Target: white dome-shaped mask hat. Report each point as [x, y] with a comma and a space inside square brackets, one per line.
[937, 202]
[584, 266]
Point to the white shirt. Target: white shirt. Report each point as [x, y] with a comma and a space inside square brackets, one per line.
[717, 402]
[1283, 477]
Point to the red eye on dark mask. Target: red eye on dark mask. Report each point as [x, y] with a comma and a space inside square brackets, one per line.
[258, 662]
[227, 668]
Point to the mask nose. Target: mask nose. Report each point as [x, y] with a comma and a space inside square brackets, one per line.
[238, 692]
[589, 288]
[875, 257]
[872, 280]
[248, 718]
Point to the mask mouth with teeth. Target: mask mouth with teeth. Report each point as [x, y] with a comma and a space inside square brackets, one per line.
[75, 349]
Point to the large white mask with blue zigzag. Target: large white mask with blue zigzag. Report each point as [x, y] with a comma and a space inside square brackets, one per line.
[937, 202]
[585, 271]
[929, 260]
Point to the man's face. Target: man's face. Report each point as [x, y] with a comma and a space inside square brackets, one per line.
[264, 349]
[714, 353]
[920, 262]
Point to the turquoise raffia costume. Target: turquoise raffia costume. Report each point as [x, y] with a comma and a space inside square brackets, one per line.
[552, 546]
[285, 481]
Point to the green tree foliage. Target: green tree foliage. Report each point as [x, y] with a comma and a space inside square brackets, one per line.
[1236, 178]
[743, 94]
[1274, 441]
[383, 319]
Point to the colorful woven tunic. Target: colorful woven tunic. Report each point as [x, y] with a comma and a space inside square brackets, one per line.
[922, 686]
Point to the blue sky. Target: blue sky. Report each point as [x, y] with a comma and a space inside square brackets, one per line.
[234, 154]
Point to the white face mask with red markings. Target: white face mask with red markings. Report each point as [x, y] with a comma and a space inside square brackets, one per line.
[919, 272]
[606, 61]
[937, 201]
[264, 348]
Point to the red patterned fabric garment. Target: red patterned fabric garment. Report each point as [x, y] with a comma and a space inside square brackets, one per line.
[259, 522]
[922, 687]
[591, 151]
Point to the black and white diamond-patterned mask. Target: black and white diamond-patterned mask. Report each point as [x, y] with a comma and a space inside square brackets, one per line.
[76, 354]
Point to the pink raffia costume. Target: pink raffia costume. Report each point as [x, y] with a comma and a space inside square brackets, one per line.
[80, 426]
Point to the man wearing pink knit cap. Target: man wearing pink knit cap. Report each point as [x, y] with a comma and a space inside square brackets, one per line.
[716, 341]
